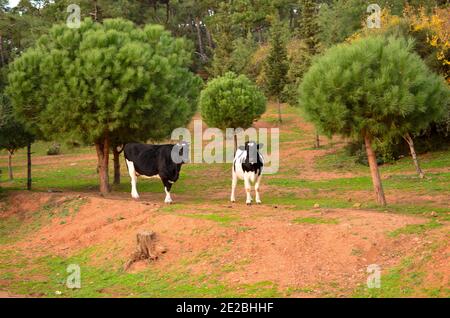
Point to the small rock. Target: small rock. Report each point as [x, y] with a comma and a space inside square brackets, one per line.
[54, 191]
[275, 207]
[434, 214]
[58, 292]
[357, 205]
[161, 249]
[316, 205]
[349, 199]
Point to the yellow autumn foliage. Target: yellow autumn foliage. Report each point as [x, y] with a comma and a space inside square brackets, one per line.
[436, 26]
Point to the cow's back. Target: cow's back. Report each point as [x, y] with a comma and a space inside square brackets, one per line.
[133, 150]
[150, 160]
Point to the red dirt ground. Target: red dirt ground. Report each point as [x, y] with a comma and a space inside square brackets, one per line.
[263, 244]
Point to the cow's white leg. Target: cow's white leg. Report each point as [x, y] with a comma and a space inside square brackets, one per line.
[133, 176]
[168, 197]
[248, 189]
[233, 186]
[257, 183]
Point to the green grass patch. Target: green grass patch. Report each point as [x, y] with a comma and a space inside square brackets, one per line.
[222, 219]
[13, 229]
[46, 277]
[315, 220]
[7, 227]
[415, 228]
[340, 160]
[433, 183]
[404, 280]
[39, 148]
[408, 279]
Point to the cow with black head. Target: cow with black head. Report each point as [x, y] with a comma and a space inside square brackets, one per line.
[148, 161]
[248, 164]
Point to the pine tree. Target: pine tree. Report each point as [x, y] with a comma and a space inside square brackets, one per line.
[276, 67]
[373, 88]
[309, 32]
[105, 80]
[309, 27]
[231, 101]
[223, 40]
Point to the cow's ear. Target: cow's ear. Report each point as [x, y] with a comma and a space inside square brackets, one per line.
[242, 148]
[260, 146]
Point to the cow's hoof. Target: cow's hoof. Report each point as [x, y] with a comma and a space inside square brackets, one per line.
[233, 201]
[248, 203]
[258, 202]
[168, 202]
[135, 197]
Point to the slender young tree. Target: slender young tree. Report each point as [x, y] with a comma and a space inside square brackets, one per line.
[13, 134]
[309, 32]
[223, 40]
[100, 79]
[277, 65]
[372, 88]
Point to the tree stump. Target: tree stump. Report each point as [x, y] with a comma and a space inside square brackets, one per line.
[146, 248]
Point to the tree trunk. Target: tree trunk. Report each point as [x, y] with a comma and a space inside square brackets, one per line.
[2, 57]
[29, 167]
[291, 20]
[167, 12]
[280, 120]
[95, 13]
[199, 38]
[209, 38]
[116, 166]
[410, 142]
[317, 140]
[376, 179]
[10, 171]
[235, 143]
[102, 148]
[146, 248]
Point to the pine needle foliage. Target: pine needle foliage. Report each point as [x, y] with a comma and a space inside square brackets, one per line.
[375, 86]
[231, 101]
[103, 78]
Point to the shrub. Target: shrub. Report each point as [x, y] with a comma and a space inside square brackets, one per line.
[54, 149]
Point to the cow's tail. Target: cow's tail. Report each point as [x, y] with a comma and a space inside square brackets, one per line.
[125, 156]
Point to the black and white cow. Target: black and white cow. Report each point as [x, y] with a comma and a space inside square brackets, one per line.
[164, 161]
[248, 164]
